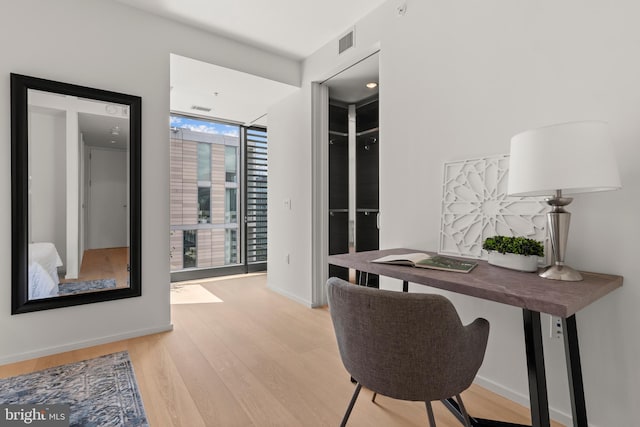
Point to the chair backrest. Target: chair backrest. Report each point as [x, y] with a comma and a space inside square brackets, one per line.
[408, 346]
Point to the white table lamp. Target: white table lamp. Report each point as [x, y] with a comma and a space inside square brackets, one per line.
[574, 157]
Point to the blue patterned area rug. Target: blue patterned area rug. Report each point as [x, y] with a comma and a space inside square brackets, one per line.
[101, 392]
[89, 285]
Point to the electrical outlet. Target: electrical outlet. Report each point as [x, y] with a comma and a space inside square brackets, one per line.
[556, 330]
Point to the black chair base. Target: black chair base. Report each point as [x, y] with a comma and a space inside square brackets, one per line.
[350, 408]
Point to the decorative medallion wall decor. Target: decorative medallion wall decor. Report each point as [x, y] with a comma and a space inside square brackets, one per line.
[475, 206]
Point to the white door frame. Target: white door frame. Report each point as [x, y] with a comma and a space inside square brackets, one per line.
[319, 192]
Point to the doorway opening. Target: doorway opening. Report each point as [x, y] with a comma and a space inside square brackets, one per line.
[354, 164]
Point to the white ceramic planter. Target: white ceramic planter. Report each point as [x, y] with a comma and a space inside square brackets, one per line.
[513, 261]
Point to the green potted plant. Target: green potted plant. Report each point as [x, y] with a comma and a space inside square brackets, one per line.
[516, 253]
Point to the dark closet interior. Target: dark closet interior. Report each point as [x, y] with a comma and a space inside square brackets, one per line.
[338, 185]
[356, 231]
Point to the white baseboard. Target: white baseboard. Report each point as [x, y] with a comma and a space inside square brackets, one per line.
[18, 357]
[522, 399]
[290, 296]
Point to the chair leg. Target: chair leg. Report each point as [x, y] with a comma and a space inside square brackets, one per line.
[350, 408]
[373, 398]
[463, 410]
[432, 420]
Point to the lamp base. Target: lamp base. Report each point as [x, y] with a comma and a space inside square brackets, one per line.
[561, 272]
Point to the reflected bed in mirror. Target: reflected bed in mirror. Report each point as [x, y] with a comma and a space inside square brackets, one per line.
[75, 194]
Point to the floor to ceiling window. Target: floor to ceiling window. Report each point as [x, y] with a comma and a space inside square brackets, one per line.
[214, 209]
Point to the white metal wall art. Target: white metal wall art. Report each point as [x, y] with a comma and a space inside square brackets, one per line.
[475, 206]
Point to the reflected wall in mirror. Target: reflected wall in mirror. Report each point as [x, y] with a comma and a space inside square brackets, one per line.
[75, 194]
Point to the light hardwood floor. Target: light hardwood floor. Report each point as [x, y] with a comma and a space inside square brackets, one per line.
[104, 263]
[258, 359]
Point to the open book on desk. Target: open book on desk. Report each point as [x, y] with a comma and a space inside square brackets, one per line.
[421, 260]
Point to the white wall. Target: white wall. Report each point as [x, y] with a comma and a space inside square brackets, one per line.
[457, 80]
[48, 214]
[104, 44]
[289, 200]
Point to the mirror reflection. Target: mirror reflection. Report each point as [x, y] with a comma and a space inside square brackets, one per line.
[75, 194]
[78, 195]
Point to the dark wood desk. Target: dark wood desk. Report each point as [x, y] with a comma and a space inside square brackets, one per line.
[531, 293]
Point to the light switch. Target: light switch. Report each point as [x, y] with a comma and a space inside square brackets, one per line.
[287, 204]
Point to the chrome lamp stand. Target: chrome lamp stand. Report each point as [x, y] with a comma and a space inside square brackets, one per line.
[558, 221]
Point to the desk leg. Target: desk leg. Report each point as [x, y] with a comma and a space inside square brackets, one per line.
[535, 367]
[405, 286]
[366, 278]
[574, 369]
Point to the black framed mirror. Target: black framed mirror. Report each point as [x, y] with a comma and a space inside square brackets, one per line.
[75, 194]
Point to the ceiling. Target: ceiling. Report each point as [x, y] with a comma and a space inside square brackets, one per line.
[104, 131]
[293, 28]
[349, 86]
[242, 98]
[231, 95]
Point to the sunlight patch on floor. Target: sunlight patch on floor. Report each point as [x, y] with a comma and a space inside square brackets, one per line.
[191, 294]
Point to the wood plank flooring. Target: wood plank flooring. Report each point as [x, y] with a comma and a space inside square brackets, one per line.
[104, 263]
[258, 359]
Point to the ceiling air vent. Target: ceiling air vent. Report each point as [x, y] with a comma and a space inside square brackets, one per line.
[345, 42]
[200, 108]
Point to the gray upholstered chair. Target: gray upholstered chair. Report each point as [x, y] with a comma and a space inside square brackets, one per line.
[407, 346]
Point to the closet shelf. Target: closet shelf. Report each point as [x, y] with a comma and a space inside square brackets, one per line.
[366, 132]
